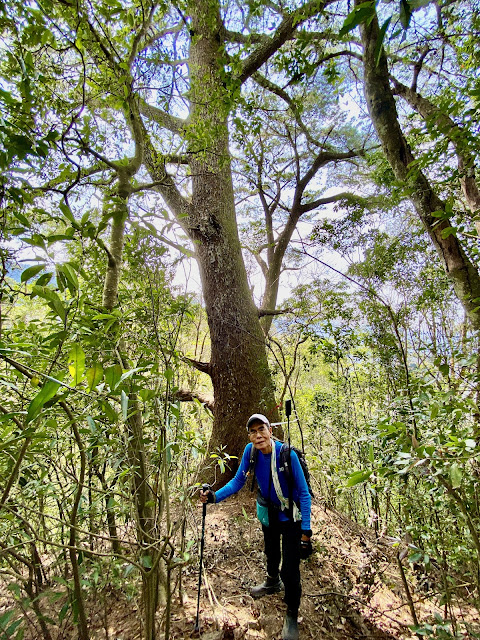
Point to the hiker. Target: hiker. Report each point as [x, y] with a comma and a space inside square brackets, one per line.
[283, 508]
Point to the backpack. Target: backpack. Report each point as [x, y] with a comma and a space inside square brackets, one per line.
[284, 464]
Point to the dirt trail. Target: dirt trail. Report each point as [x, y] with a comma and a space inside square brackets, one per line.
[352, 586]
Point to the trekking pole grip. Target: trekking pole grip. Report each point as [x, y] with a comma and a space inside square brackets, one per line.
[205, 488]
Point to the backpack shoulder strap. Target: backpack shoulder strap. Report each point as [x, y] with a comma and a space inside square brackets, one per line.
[284, 449]
[251, 466]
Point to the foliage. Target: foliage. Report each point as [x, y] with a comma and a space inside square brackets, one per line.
[100, 459]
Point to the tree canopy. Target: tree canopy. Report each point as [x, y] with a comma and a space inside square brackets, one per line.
[316, 161]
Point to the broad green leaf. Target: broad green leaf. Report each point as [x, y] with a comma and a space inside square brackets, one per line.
[129, 373]
[371, 454]
[19, 216]
[46, 393]
[456, 475]
[44, 279]
[91, 423]
[405, 13]
[381, 38]
[363, 13]
[108, 410]
[357, 477]
[444, 369]
[70, 276]
[448, 231]
[52, 299]
[128, 570]
[76, 363]
[416, 557]
[67, 212]
[94, 375]
[31, 272]
[146, 394]
[113, 375]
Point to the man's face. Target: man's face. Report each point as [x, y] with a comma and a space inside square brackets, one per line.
[260, 436]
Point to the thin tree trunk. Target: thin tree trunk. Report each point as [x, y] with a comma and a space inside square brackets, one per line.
[381, 105]
[83, 633]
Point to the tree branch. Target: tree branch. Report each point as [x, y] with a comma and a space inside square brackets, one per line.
[204, 367]
[383, 112]
[165, 120]
[272, 312]
[186, 395]
[304, 208]
[281, 93]
[457, 136]
[284, 32]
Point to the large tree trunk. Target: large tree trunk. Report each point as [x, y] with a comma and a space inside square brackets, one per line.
[382, 109]
[238, 365]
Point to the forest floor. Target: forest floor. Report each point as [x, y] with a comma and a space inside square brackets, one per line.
[352, 588]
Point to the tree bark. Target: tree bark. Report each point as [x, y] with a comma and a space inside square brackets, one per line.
[382, 108]
[456, 135]
[238, 364]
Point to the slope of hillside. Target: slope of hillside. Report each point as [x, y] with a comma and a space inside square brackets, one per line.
[352, 585]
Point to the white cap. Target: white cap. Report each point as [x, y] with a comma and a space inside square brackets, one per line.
[258, 417]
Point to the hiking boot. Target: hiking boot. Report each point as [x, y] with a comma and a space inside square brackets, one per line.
[271, 585]
[290, 627]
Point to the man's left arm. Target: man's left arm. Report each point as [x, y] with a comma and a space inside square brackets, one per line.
[305, 506]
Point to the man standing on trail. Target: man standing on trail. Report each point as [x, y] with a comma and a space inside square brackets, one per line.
[283, 508]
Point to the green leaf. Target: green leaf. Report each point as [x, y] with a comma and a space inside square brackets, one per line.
[456, 475]
[129, 373]
[448, 231]
[67, 212]
[363, 13]
[31, 272]
[46, 393]
[444, 369]
[76, 363]
[44, 279]
[381, 38]
[109, 411]
[52, 299]
[405, 13]
[357, 477]
[146, 394]
[92, 424]
[128, 570]
[371, 454]
[113, 375]
[70, 276]
[94, 375]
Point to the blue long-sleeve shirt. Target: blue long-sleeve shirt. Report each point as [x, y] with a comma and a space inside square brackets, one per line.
[300, 494]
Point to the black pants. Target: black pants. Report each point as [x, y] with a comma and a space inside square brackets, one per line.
[290, 534]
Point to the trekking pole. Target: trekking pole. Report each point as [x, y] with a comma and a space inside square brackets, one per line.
[288, 411]
[205, 487]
